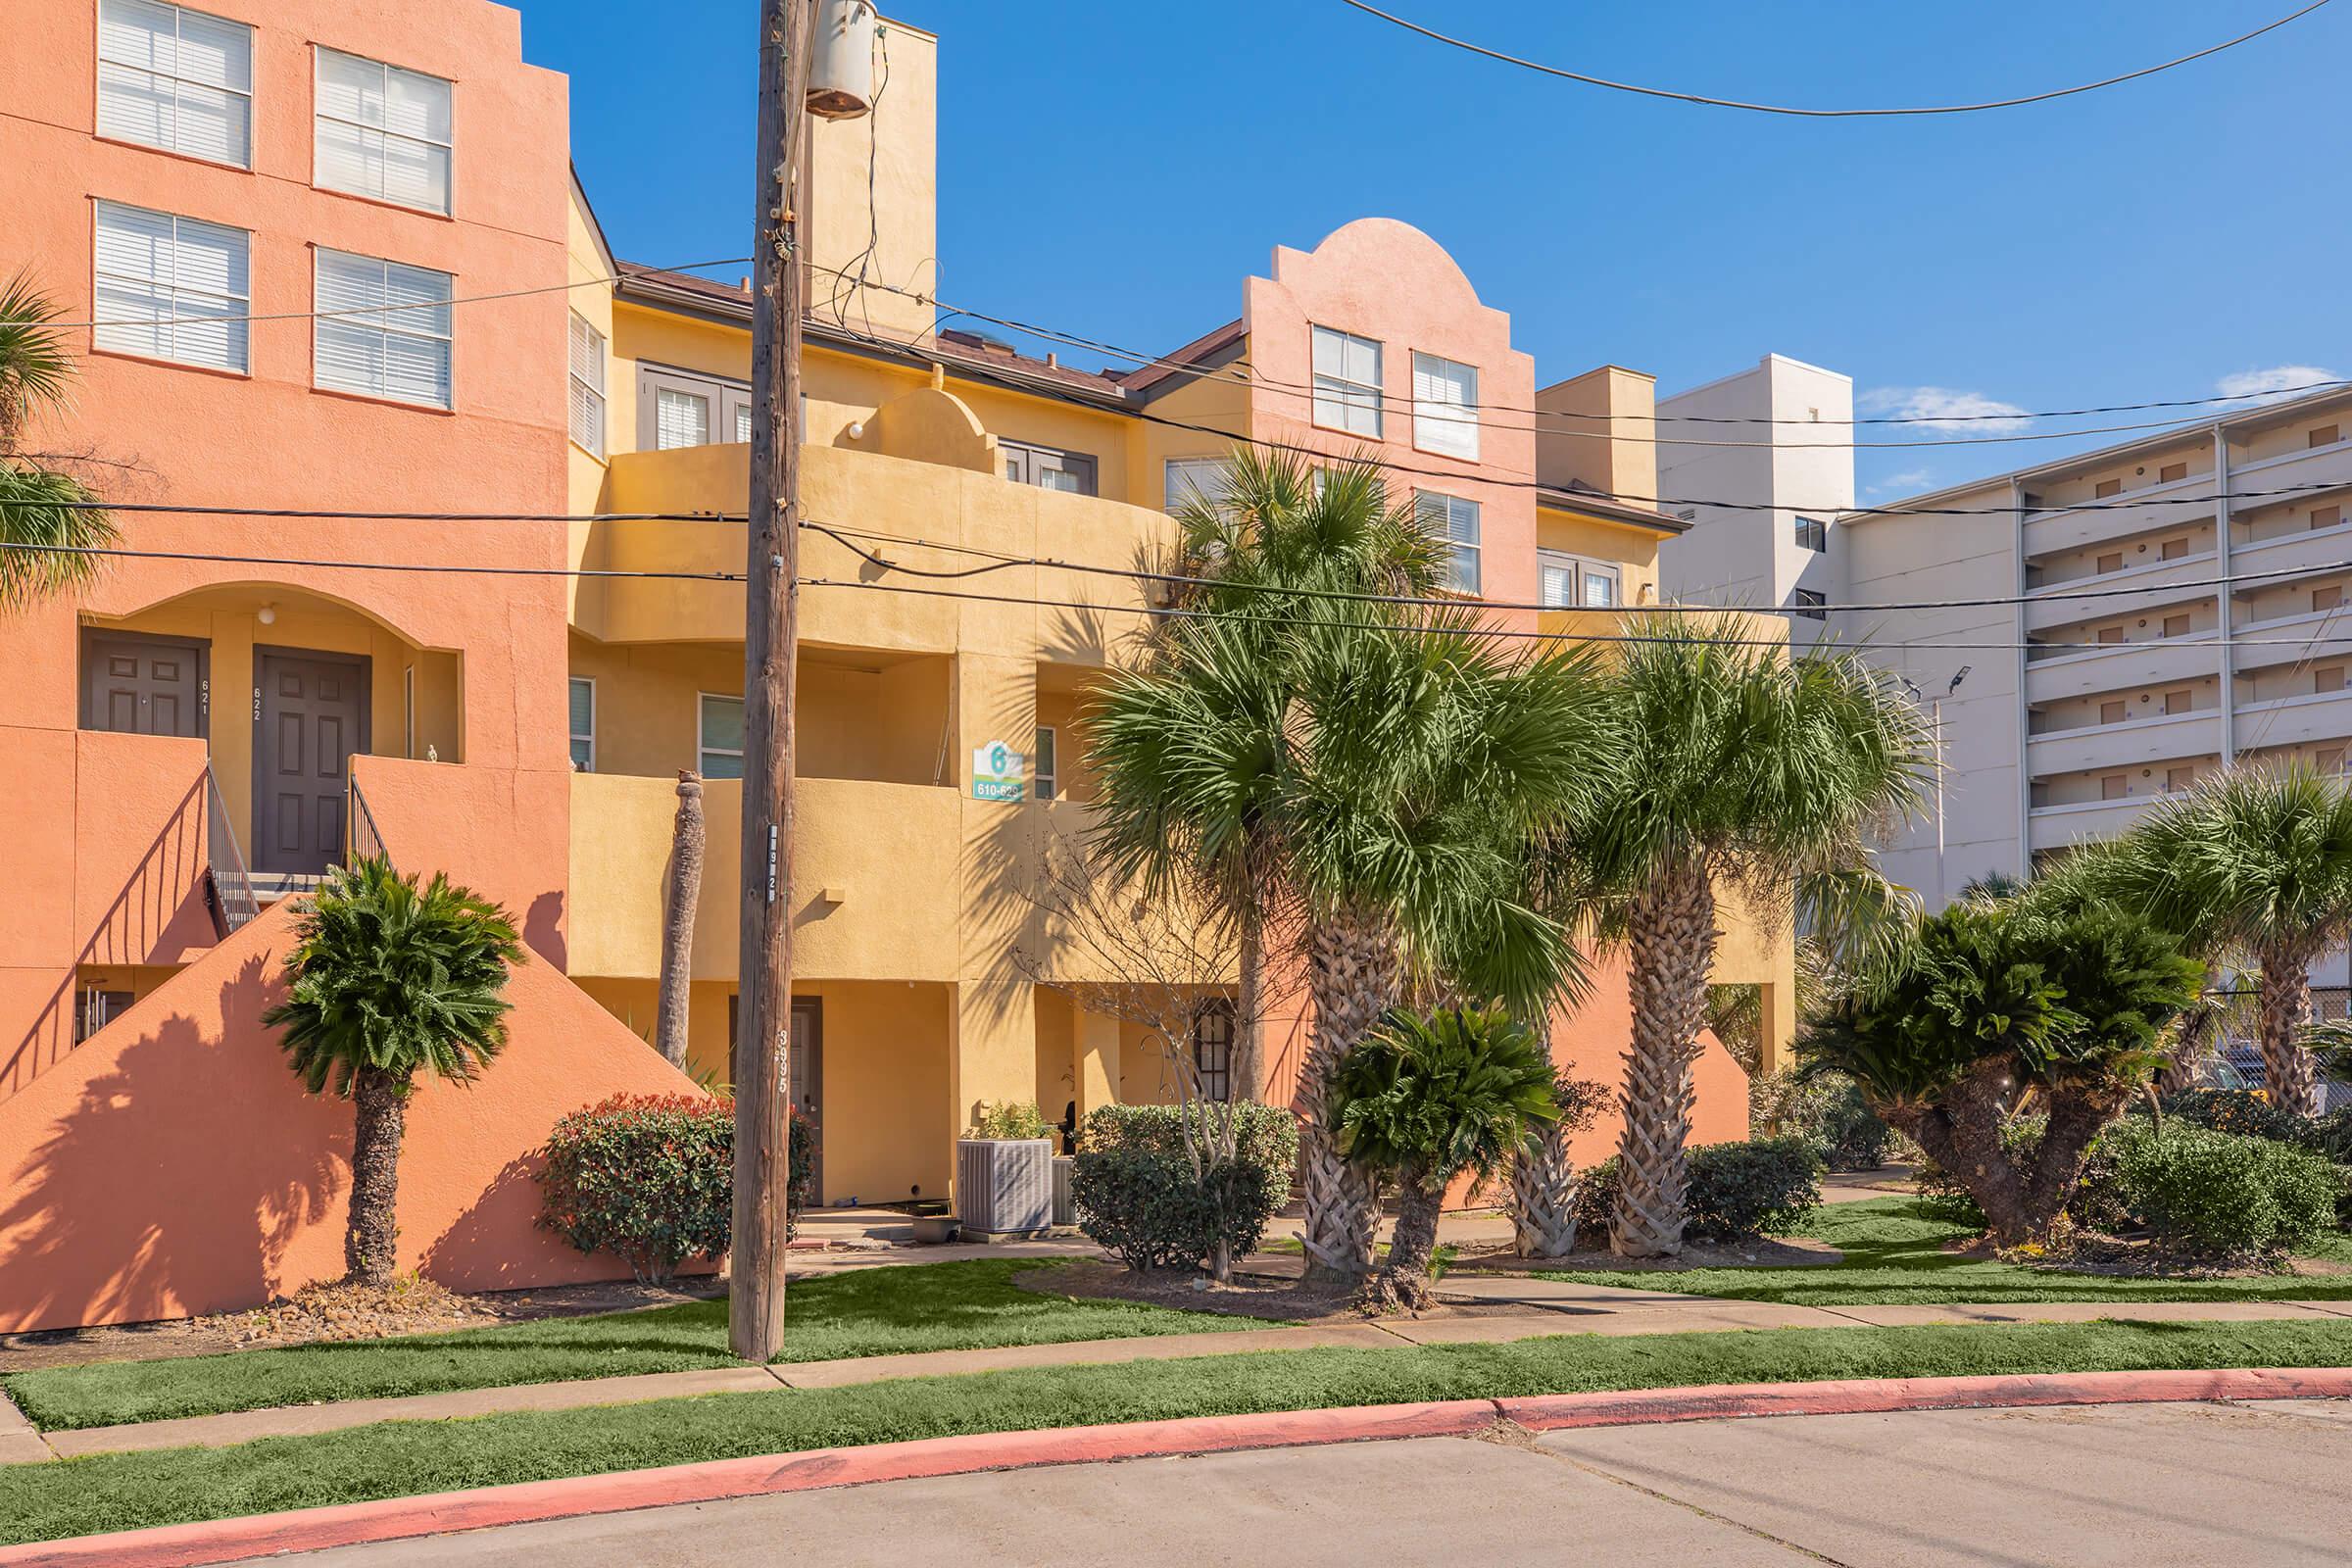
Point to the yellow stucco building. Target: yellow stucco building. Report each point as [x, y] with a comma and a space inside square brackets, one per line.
[943, 450]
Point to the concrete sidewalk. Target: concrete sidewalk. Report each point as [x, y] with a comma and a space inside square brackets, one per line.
[1549, 1308]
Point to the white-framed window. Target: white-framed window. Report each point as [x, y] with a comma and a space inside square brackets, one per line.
[583, 725]
[1454, 520]
[1812, 534]
[1048, 467]
[721, 736]
[1346, 382]
[1045, 761]
[587, 357]
[1571, 583]
[743, 420]
[681, 419]
[686, 409]
[175, 78]
[383, 328]
[171, 288]
[382, 131]
[1444, 407]
[1191, 479]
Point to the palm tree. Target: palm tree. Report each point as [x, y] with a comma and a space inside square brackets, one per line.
[2256, 859]
[1277, 533]
[385, 981]
[679, 898]
[47, 522]
[1382, 767]
[1426, 1099]
[1733, 764]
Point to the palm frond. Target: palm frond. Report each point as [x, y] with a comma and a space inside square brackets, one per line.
[34, 368]
[46, 531]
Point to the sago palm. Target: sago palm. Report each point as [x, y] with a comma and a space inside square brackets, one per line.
[48, 523]
[2257, 859]
[1733, 763]
[1391, 767]
[387, 980]
[1427, 1099]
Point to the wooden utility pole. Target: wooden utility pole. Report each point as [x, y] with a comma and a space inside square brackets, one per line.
[770, 639]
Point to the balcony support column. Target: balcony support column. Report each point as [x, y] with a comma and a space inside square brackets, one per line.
[2225, 600]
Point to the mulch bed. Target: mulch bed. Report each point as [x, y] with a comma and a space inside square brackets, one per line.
[2138, 1258]
[335, 1311]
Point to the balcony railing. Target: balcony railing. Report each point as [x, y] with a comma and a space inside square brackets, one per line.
[229, 885]
[361, 840]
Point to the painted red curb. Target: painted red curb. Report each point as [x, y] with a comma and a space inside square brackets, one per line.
[393, 1519]
[1559, 1412]
[354, 1524]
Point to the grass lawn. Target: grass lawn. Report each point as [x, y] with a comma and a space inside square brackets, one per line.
[972, 1305]
[115, 1492]
[1893, 1254]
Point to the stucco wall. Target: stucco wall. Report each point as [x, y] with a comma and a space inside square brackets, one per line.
[173, 1165]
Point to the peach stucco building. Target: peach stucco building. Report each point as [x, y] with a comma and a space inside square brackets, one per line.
[253, 696]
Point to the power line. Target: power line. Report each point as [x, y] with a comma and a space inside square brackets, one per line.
[1823, 114]
[1008, 562]
[1243, 373]
[1165, 611]
[1526, 482]
[373, 310]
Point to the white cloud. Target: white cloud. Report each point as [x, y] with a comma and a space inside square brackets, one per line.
[1941, 407]
[2264, 386]
[1909, 481]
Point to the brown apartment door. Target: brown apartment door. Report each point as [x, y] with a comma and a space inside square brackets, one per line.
[310, 715]
[136, 685]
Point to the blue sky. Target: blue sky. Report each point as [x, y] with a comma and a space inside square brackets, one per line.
[1114, 168]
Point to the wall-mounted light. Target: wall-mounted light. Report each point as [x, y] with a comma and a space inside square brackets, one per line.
[268, 615]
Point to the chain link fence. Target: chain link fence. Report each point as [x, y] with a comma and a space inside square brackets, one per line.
[2236, 1063]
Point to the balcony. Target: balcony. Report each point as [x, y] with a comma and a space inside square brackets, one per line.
[2314, 634]
[2134, 742]
[2157, 661]
[2100, 521]
[2162, 584]
[2055, 827]
[877, 878]
[936, 515]
[2295, 720]
[2314, 550]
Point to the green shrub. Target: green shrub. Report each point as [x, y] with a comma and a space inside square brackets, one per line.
[2097, 1204]
[2224, 1193]
[1765, 1187]
[1012, 1120]
[1140, 1200]
[2234, 1110]
[651, 1179]
[1827, 1109]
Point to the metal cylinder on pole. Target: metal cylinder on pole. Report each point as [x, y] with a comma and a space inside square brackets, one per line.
[771, 610]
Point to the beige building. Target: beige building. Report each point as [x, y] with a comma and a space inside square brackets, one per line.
[2159, 609]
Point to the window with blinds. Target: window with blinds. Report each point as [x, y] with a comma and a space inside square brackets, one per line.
[742, 420]
[383, 329]
[1346, 382]
[382, 133]
[1454, 520]
[1571, 583]
[175, 78]
[680, 419]
[722, 737]
[587, 386]
[1444, 408]
[1194, 479]
[171, 288]
[583, 725]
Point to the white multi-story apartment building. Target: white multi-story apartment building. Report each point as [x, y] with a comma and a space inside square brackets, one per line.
[1758, 464]
[2149, 613]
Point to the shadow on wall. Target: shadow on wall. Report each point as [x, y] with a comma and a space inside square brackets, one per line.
[543, 928]
[157, 915]
[153, 1177]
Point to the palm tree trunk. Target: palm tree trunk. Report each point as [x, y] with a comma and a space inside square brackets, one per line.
[1544, 1194]
[2287, 1068]
[1672, 949]
[1403, 1281]
[1248, 1007]
[677, 926]
[2193, 1042]
[1352, 974]
[379, 1116]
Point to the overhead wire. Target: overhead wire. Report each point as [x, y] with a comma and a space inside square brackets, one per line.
[1708, 101]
